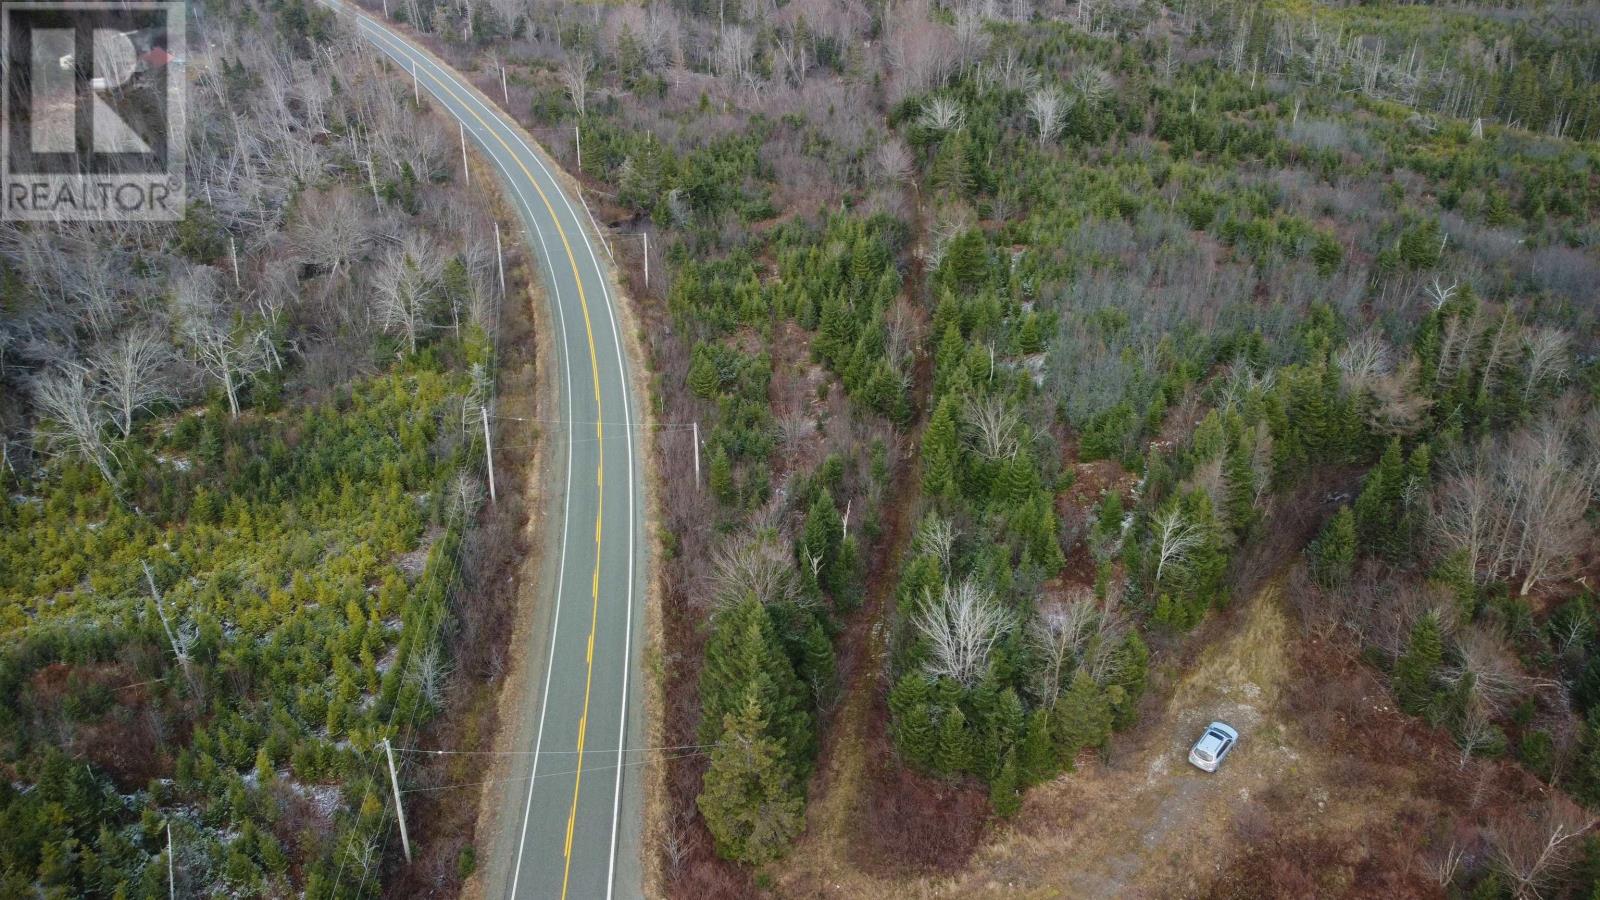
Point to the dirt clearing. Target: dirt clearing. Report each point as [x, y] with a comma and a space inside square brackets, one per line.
[1301, 805]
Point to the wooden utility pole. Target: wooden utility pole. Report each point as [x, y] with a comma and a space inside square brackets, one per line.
[416, 87]
[505, 91]
[697, 455]
[647, 260]
[465, 169]
[500, 260]
[172, 881]
[577, 137]
[233, 253]
[488, 451]
[394, 782]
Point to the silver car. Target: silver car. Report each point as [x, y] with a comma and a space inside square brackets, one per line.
[1213, 745]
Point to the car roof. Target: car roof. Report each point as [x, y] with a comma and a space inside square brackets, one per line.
[1224, 728]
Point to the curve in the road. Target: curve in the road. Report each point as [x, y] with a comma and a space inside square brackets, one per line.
[567, 842]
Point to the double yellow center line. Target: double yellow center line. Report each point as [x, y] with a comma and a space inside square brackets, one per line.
[600, 471]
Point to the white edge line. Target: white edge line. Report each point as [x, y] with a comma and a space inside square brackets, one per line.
[566, 515]
[497, 118]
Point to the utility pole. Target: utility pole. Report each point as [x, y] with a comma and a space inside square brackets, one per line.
[500, 260]
[577, 137]
[465, 169]
[233, 253]
[488, 451]
[504, 91]
[172, 881]
[846, 535]
[646, 260]
[394, 782]
[697, 455]
[416, 88]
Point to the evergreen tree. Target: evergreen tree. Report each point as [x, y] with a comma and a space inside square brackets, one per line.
[817, 666]
[939, 452]
[1377, 509]
[1239, 478]
[1037, 759]
[751, 799]
[954, 754]
[948, 356]
[1415, 669]
[1004, 791]
[744, 653]
[704, 379]
[1333, 553]
[1132, 673]
[912, 720]
[721, 476]
[824, 529]
[1082, 717]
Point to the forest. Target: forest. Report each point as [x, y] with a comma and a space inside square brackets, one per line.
[1032, 335]
[243, 487]
[1031, 342]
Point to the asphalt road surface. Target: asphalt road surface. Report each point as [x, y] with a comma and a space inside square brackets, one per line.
[572, 810]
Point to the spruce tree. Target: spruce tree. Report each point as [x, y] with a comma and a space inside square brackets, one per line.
[817, 668]
[1333, 553]
[954, 753]
[947, 358]
[1082, 717]
[824, 529]
[721, 476]
[1415, 669]
[1239, 478]
[912, 720]
[1005, 790]
[939, 452]
[744, 652]
[1378, 507]
[751, 798]
[1131, 677]
[1037, 758]
[704, 379]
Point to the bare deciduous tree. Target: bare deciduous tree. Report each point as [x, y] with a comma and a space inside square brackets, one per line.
[1515, 507]
[1092, 85]
[403, 288]
[225, 348]
[1175, 537]
[73, 406]
[936, 537]
[753, 566]
[427, 671]
[575, 69]
[1534, 846]
[1047, 107]
[893, 161]
[942, 114]
[1059, 634]
[1548, 358]
[133, 368]
[1484, 661]
[961, 624]
[992, 425]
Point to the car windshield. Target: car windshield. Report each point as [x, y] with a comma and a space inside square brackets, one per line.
[1217, 736]
[1202, 753]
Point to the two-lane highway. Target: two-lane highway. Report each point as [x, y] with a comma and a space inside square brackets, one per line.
[571, 812]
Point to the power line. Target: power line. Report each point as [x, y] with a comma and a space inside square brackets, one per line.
[525, 778]
[429, 752]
